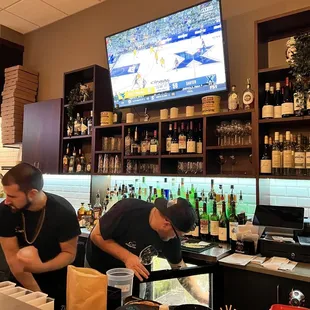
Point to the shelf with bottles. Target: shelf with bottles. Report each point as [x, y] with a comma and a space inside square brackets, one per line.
[82, 105]
[77, 137]
[228, 147]
[286, 154]
[182, 138]
[76, 159]
[80, 126]
[293, 119]
[230, 162]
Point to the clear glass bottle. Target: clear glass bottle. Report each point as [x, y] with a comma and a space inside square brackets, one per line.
[90, 124]
[128, 143]
[77, 125]
[233, 99]
[287, 155]
[299, 158]
[276, 167]
[248, 97]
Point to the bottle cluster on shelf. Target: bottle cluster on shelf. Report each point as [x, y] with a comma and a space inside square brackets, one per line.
[76, 162]
[80, 126]
[109, 164]
[286, 101]
[184, 138]
[217, 217]
[287, 155]
[148, 144]
[247, 100]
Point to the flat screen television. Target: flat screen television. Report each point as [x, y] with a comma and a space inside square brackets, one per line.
[173, 57]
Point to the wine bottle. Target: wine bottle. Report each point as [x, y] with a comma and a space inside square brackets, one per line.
[182, 140]
[191, 143]
[169, 139]
[175, 140]
[223, 224]
[287, 105]
[204, 222]
[154, 144]
[117, 115]
[196, 232]
[72, 165]
[265, 162]
[65, 160]
[276, 156]
[233, 223]
[299, 158]
[278, 102]
[268, 108]
[287, 154]
[214, 223]
[199, 140]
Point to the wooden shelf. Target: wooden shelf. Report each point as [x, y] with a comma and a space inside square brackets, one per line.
[229, 147]
[142, 157]
[149, 123]
[108, 126]
[81, 103]
[273, 69]
[182, 119]
[182, 156]
[77, 137]
[230, 113]
[283, 177]
[108, 152]
[285, 119]
[229, 175]
[96, 173]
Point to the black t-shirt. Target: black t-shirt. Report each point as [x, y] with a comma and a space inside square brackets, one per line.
[60, 225]
[127, 223]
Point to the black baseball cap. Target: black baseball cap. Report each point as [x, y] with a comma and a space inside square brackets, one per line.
[179, 211]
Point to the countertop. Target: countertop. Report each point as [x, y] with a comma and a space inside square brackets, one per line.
[9, 303]
[212, 255]
[300, 273]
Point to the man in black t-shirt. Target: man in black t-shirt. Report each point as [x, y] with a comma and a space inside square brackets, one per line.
[43, 222]
[132, 225]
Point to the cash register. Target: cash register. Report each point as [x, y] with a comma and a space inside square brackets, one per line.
[286, 233]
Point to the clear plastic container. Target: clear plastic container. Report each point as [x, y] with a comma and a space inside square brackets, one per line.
[121, 278]
[6, 285]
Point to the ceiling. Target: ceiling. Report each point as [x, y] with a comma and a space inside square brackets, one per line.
[27, 15]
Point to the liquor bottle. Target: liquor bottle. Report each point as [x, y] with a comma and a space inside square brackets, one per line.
[241, 205]
[233, 99]
[233, 223]
[278, 102]
[128, 142]
[72, 165]
[154, 144]
[145, 145]
[191, 142]
[192, 197]
[232, 196]
[300, 157]
[83, 126]
[223, 224]
[204, 223]
[293, 145]
[199, 140]
[78, 162]
[196, 232]
[169, 139]
[81, 211]
[268, 107]
[308, 157]
[100, 164]
[214, 223]
[307, 99]
[287, 154]
[117, 115]
[299, 98]
[154, 196]
[82, 163]
[97, 209]
[276, 156]
[90, 124]
[66, 160]
[175, 140]
[248, 97]
[287, 105]
[70, 127]
[143, 189]
[88, 166]
[77, 125]
[281, 145]
[182, 140]
[211, 198]
[265, 162]
[135, 145]
[182, 189]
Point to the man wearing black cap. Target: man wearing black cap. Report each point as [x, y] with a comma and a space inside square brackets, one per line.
[131, 226]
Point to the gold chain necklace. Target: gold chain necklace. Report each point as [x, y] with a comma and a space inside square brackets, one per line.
[38, 228]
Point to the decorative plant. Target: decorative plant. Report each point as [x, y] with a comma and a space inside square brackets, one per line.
[298, 57]
[73, 98]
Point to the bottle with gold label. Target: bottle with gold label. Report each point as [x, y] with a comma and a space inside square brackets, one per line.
[265, 162]
[248, 97]
[276, 162]
[233, 99]
[65, 160]
[81, 211]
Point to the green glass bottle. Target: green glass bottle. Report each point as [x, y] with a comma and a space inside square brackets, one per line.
[214, 223]
[233, 223]
[223, 229]
[204, 223]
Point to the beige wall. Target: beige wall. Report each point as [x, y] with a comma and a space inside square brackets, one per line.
[11, 35]
[78, 40]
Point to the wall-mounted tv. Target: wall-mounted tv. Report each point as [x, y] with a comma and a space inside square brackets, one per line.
[173, 57]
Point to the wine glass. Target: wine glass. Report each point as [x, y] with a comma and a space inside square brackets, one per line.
[221, 160]
[233, 162]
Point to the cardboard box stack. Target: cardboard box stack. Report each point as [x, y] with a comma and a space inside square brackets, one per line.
[20, 88]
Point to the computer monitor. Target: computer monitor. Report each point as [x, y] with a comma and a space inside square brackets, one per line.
[279, 219]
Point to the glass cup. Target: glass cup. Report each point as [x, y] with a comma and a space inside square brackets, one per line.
[147, 255]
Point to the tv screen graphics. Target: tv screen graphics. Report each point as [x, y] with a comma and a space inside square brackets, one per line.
[173, 57]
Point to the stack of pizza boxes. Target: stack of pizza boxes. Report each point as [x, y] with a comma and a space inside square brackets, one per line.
[20, 88]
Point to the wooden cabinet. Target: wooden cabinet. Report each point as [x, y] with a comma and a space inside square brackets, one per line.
[41, 134]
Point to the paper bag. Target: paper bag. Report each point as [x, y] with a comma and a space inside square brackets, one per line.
[86, 289]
